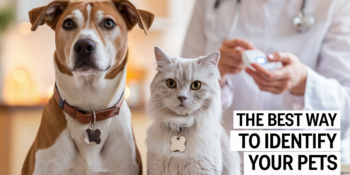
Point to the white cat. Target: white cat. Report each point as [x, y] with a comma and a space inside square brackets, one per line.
[185, 104]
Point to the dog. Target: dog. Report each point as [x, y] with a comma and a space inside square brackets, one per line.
[86, 125]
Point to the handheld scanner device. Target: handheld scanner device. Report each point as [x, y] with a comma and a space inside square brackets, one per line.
[259, 57]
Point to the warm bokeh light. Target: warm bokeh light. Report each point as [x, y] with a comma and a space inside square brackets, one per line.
[127, 92]
[49, 91]
[20, 90]
[20, 75]
[24, 28]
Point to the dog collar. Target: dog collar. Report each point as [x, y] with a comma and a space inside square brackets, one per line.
[86, 117]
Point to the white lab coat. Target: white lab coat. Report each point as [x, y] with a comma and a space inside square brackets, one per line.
[268, 24]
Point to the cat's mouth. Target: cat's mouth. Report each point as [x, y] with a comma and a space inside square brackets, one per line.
[180, 110]
[181, 113]
[181, 106]
[184, 110]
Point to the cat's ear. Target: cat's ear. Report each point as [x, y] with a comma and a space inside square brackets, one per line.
[212, 59]
[161, 55]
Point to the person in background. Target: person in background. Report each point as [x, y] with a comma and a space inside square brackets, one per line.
[310, 37]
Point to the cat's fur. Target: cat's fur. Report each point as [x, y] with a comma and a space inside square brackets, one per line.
[207, 147]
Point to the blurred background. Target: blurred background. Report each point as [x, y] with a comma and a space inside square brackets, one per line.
[27, 73]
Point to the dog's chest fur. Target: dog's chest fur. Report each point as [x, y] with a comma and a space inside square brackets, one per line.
[71, 155]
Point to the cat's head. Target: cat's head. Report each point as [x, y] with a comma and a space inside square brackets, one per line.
[185, 86]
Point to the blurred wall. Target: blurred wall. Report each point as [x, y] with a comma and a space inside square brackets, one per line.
[4, 3]
[24, 6]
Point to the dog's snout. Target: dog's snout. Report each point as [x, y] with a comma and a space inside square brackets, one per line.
[84, 47]
[85, 54]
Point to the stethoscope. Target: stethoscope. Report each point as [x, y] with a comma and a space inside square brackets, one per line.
[301, 21]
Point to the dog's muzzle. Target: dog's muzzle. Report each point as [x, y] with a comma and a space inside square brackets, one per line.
[85, 50]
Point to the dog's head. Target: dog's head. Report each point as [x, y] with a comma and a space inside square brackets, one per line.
[91, 35]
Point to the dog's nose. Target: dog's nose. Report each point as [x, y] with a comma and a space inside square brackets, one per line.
[84, 47]
[182, 98]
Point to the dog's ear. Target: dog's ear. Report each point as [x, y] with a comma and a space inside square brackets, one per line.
[47, 14]
[133, 16]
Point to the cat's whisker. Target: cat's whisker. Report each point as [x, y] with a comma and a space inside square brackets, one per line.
[156, 103]
[154, 108]
[160, 109]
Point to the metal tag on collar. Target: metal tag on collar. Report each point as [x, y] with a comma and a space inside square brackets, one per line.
[61, 103]
[93, 135]
[178, 143]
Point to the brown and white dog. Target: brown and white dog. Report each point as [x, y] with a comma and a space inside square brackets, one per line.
[90, 59]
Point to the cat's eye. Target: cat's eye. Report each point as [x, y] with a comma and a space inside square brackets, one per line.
[171, 83]
[68, 24]
[196, 85]
[109, 24]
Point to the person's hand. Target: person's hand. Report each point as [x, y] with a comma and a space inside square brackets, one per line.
[231, 57]
[292, 76]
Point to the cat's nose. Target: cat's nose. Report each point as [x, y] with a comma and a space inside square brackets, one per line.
[182, 98]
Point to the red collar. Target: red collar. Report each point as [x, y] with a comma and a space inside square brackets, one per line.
[86, 117]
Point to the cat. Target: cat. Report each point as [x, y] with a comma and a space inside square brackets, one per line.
[185, 106]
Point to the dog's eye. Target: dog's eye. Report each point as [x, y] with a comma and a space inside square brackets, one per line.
[109, 24]
[68, 24]
[196, 85]
[171, 83]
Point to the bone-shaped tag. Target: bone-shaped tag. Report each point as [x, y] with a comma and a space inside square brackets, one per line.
[93, 136]
[178, 144]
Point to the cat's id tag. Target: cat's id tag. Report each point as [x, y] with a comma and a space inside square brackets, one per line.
[92, 135]
[178, 144]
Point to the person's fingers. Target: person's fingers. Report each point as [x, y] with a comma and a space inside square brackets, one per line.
[283, 73]
[235, 70]
[231, 62]
[271, 89]
[231, 66]
[226, 58]
[279, 74]
[262, 71]
[234, 53]
[285, 58]
[239, 42]
[281, 84]
[239, 52]
[249, 71]
[229, 69]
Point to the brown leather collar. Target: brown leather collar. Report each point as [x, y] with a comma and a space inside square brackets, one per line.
[86, 117]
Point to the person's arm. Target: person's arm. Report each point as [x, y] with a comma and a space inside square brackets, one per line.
[328, 87]
[195, 41]
[325, 88]
[231, 63]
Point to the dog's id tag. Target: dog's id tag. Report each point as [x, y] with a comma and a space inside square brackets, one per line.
[92, 135]
[178, 144]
